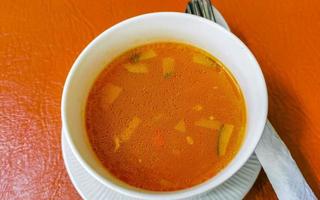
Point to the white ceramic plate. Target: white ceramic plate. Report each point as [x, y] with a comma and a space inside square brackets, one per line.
[234, 188]
[91, 189]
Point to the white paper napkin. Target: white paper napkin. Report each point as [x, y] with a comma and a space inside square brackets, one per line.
[281, 169]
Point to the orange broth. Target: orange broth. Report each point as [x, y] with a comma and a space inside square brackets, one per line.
[165, 116]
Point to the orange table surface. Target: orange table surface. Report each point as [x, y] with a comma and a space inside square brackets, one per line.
[39, 41]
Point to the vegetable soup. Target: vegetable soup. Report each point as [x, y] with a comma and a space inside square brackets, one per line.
[165, 116]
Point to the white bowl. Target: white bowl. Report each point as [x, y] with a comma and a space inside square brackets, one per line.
[166, 26]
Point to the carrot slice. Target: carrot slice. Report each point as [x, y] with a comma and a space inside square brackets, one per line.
[209, 124]
[158, 139]
[110, 93]
[224, 138]
[181, 126]
[137, 68]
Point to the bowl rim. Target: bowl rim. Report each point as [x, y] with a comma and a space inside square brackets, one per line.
[145, 194]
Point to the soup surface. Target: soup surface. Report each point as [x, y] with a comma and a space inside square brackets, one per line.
[165, 116]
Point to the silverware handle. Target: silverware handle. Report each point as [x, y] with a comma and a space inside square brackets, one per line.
[282, 171]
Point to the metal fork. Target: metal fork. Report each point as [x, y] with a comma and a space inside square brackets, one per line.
[201, 8]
